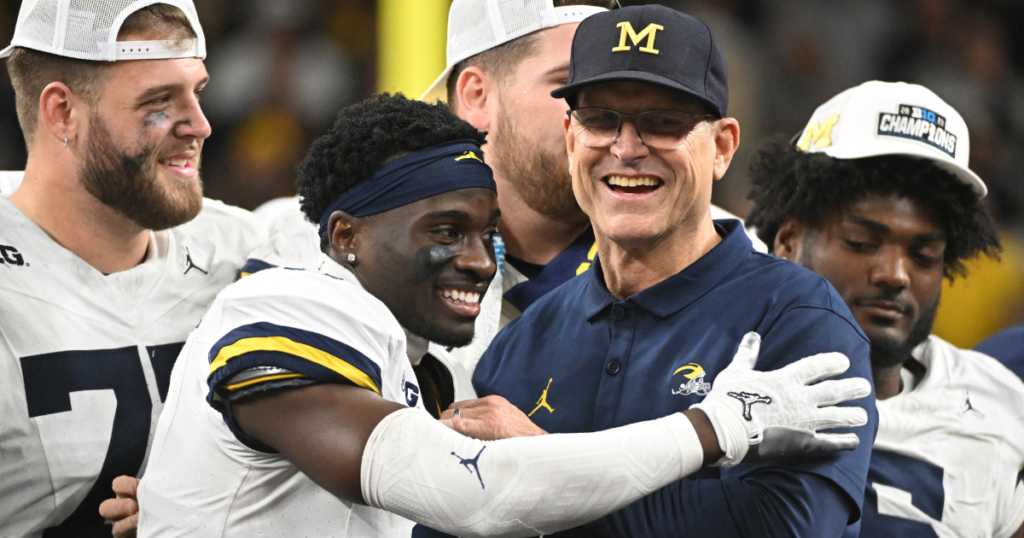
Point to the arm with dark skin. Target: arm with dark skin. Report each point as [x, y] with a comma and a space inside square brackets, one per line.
[322, 429]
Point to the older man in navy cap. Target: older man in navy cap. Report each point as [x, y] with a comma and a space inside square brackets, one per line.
[648, 331]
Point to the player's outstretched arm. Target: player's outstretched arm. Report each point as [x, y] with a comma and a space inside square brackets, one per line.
[322, 429]
[365, 449]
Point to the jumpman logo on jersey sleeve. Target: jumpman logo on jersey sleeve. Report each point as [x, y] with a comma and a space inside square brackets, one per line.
[472, 462]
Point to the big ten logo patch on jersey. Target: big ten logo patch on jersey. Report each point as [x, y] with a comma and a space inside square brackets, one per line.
[11, 256]
[626, 31]
[921, 124]
[411, 391]
[692, 381]
[818, 134]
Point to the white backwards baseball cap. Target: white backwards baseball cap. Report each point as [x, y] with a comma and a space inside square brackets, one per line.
[892, 118]
[87, 30]
[478, 25]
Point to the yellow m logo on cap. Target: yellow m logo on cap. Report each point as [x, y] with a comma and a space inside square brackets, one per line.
[818, 134]
[627, 32]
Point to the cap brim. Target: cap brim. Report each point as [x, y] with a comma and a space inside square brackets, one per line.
[963, 174]
[438, 91]
[639, 76]
[8, 51]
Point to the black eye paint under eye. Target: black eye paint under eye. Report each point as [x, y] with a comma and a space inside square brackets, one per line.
[155, 119]
[429, 260]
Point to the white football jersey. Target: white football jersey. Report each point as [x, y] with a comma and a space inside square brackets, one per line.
[85, 360]
[948, 451]
[205, 477]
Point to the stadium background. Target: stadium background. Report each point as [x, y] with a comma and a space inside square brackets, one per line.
[281, 69]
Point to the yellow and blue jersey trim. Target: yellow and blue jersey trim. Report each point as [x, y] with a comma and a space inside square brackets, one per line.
[252, 266]
[305, 353]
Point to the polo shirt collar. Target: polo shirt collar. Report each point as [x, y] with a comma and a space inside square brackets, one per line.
[682, 289]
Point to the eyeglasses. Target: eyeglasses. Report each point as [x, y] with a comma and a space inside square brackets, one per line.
[659, 129]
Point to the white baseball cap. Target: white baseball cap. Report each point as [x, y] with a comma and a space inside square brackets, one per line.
[892, 118]
[478, 25]
[87, 30]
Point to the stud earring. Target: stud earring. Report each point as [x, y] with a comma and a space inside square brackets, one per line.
[65, 142]
[351, 258]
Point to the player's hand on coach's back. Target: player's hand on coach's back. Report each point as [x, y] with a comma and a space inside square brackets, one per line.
[123, 510]
[779, 413]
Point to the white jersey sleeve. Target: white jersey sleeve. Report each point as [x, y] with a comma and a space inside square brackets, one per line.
[205, 477]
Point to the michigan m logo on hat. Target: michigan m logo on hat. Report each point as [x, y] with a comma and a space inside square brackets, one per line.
[819, 135]
[627, 31]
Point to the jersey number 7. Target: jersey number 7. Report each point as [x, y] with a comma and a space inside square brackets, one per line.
[51, 378]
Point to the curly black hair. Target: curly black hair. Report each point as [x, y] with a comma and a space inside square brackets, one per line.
[364, 137]
[809, 186]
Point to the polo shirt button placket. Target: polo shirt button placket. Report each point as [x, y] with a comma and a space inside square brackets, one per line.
[618, 313]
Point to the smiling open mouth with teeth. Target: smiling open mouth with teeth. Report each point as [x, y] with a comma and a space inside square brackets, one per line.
[460, 296]
[181, 163]
[633, 185]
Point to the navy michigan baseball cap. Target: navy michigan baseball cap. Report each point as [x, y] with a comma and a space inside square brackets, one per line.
[651, 44]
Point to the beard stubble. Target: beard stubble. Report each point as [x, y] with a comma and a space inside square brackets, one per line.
[128, 183]
[540, 175]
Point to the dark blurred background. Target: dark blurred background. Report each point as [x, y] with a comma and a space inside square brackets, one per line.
[282, 68]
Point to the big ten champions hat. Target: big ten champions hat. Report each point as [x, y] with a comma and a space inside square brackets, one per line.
[475, 26]
[87, 30]
[891, 118]
[651, 44]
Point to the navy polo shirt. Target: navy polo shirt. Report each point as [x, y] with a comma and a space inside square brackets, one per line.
[580, 360]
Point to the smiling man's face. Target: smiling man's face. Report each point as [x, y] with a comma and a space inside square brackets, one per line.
[144, 141]
[431, 261]
[674, 183]
[884, 255]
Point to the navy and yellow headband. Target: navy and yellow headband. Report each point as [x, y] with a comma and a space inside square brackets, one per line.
[414, 177]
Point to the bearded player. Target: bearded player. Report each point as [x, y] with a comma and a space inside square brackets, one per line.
[876, 196]
[110, 253]
[307, 402]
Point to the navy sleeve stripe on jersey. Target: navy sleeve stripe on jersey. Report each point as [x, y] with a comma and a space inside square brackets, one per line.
[254, 266]
[311, 354]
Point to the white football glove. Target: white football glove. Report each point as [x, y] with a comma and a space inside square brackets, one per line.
[780, 412]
